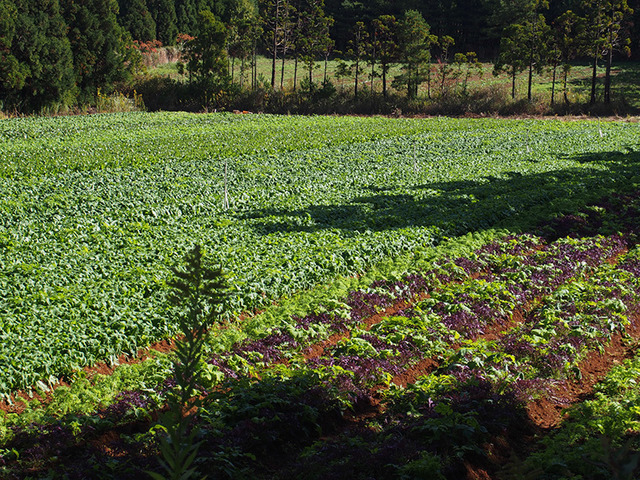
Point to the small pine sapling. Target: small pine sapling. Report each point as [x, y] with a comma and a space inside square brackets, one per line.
[198, 293]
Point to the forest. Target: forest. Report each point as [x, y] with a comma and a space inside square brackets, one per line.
[57, 54]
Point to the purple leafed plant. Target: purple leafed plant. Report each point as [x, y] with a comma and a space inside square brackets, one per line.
[365, 304]
[269, 347]
[127, 401]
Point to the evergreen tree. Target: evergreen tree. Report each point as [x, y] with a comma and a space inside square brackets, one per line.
[313, 38]
[98, 44]
[40, 72]
[512, 55]
[207, 56]
[135, 17]
[358, 46]
[606, 32]
[445, 43]
[536, 37]
[220, 8]
[164, 14]
[508, 12]
[528, 42]
[386, 45]
[566, 34]
[415, 41]
[13, 74]
[186, 13]
[276, 21]
[243, 29]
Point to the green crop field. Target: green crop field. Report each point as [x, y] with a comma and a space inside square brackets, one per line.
[94, 210]
[428, 295]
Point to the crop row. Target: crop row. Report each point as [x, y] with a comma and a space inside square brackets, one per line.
[92, 213]
[485, 363]
[477, 386]
[466, 298]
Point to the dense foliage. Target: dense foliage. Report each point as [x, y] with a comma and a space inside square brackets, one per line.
[416, 374]
[94, 209]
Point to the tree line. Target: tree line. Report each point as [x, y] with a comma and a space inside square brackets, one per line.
[61, 52]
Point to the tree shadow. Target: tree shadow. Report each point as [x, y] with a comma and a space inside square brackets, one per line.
[514, 200]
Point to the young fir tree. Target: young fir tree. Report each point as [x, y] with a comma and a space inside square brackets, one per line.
[198, 294]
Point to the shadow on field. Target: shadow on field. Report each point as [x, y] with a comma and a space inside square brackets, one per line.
[515, 201]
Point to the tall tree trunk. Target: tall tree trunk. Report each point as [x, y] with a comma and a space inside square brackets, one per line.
[553, 85]
[355, 85]
[242, 67]
[593, 79]
[607, 76]
[275, 46]
[284, 55]
[373, 68]
[326, 60]
[530, 77]
[513, 83]
[255, 68]
[233, 67]
[444, 76]
[295, 73]
[384, 81]
[566, 98]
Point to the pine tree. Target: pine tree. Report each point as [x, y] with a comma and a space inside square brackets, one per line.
[243, 29]
[274, 18]
[357, 50]
[164, 14]
[512, 55]
[13, 73]
[313, 37]
[207, 56]
[135, 17]
[41, 68]
[566, 34]
[386, 45]
[607, 31]
[536, 37]
[98, 45]
[415, 41]
[525, 45]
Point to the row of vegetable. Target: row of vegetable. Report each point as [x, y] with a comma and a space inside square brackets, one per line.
[432, 368]
[94, 210]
